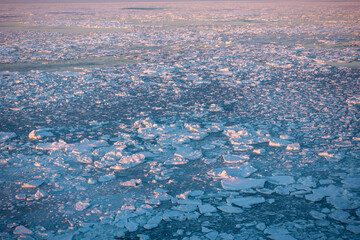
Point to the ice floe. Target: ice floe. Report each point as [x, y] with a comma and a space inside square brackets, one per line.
[22, 230]
[244, 170]
[281, 180]
[4, 136]
[40, 134]
[242, 183]
[33, 183]
[230, 209]
[245, 202]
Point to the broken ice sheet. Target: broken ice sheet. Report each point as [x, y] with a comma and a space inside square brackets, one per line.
[33, 184]
[217, 97]
[131, 183]
[230, 209]
[235, 158]
[281, 180]
[188, 153]
[22, 230]
[54, 146]
[344, 201]
[4, 136]
[176, 161]
[40, 134]
[293, 147]
[351, 182]
[244, 170]
[207, 208]
[129, 161]
[242, 183]
[245, 202]
[106, 178]
[81, 205]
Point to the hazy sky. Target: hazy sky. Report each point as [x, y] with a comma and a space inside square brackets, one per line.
[114, 1]
[103, 1]
[98, 1]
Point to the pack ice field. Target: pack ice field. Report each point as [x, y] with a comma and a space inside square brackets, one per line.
[184, 120]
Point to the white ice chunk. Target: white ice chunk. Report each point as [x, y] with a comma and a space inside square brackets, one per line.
[131, 183]
[216, 127]
[131, 226]
[266, 191]
[32, 184]
[21, 196]
[208, 147]
[281, 180]
[6, 136]
[330, 190]
[205, 230]
[192, 215]
[351, 182]
[212, 235]
[230, 209]
[173, 215]
[153, 201]
[188, 153]
[314, 197]
[106, 178]
[340, 216]
[84, 159]
[236, 132]
[242, 183]
[284, 190]
[22, 230]
[185, 208]
[332, 157]
[206, 208]
[176, 161]
[317, 215]
[55, 146]
[154, 221]
[81, 205]
[326, 181]
[148, 133]
[39, 134]
[243, 171]
[241, 141]
[358, 212]
[226, 236]
[129, 161]
[344, 202]
[259, 151]
[277, 143]
[260, 226]
[293, 147]
[243, 148]
[353, 228]
[196, 193]
[235, 158]
[246, 202]
[308, 181]
[40, 194]
[91, 181]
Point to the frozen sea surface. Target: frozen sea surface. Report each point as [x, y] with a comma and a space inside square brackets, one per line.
[180, 121]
